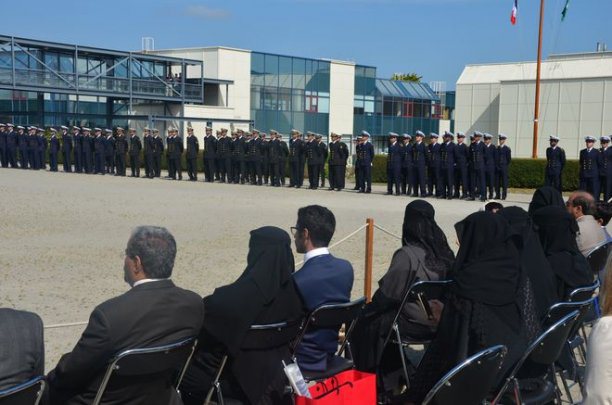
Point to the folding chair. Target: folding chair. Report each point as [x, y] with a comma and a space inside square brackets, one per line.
[258, 337]
[420, 292]
[148, 361]
[544, 351]
[575, 341]
[333, 316]
[598, 256]
[470, 381]
[584, 294]
[27, 393]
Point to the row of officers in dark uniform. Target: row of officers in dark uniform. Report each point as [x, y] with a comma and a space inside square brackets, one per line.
[448, 170]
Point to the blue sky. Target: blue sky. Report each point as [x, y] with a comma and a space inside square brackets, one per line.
[434, 38]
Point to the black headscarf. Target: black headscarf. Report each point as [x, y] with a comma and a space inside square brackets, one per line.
[487, 269]
[544, 197]
[269, 267]
[421, 229]
[557, 231]
[533, 261]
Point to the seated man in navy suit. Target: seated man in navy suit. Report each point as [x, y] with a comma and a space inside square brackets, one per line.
[323, 279]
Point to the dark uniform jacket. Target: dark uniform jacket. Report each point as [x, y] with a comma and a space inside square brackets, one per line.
[447, 155]
[210, 147]
[109, 146]
[589, 163]
[121, 145]
[477, 150]
[433, 155]
[605, 167]
[296, 150]
[367, 154]
[338, 153]
[504, 157]
[490, 157]
[394, 156]
[555, 160]
[406, 150]
[193, 147]
[135, 145]
[419, 155]
[159, 145]
[461, 155]
[54, 144]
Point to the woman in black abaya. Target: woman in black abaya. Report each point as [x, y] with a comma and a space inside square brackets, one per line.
[264, 293]
[545, 197]
[557, 231]
[485, 305]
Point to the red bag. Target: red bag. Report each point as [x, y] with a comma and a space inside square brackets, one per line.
[349, 387]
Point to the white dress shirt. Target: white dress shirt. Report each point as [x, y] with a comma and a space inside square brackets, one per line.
[148, 280]
[598, 387]
[315, 252]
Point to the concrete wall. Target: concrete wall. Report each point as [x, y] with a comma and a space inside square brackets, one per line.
[341, 98]
[477, 108]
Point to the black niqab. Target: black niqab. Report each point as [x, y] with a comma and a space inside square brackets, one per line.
[544, 197]
[487, 269]
[557, 231]
[421, 229]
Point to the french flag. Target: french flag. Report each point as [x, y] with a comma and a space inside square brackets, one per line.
[514, 11]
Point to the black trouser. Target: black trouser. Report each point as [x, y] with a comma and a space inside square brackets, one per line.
[177, 169]
[23, 158]
[192, 168]
[135, 165]
[209, 169]
[110, 164]
[366, 178]
[433, 180]
[120, 164]
[590, 185]
[337, 175]
[11, 157]
[313, 176]
[256, 173]
[99, 166]
[406, 182]
[66, 156]
[553, 180]
[605, 187]
[53, 161]
[419, 181]
[218, 163]
[157, 165]
[478, 184]
[78, 161]
[265, 167]
[87, 163]
[394, 178]
[490, 178]
[149, 171]
[282, 164]
[229, 173]
[461, 181]
[447, 181]
[300, 175]
[501, 183]
[294, 166]
[274, 180]
[3, 157]
[42, 164]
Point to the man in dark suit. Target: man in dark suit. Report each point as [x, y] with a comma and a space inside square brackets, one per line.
[406, 149]
[394, 165]
[153, 312]
[12, 143]
[282, 159]
[193, 148]
[78, 149]
[321, 157]
[323, 279]
[210, 155]
[67, 145]
[589, 167]
[158, 143]
[555, 162]
[54, 148]
[490, 160]
[311, 152]
[338, 155]
[109, 151]
[149, 149]
[447, 166]
[504, 157]
[274, 152]
[255, 156]
[3, 134]
[462, 155]
[22, 353]
[100, 151]
[43, 144]
[433, 165]
[134, 152]
[605, 168]
[477, 168]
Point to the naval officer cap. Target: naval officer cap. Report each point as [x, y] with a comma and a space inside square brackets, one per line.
[96, 129]
[52, 129]
[20, 127]
[365, 133]
[589, 138]
[85, 129]
[604, 138]
[460, 135]
[553, 138]
[273, 131]
[75, 127]
[503, 136]
[10, 125]
[64, 127]
[108, 131]
[487, 135]
[407, 136]
[419, 133]
[477, 133]
[434, 135]
[318, 136]
[392, 135]
[2, 125]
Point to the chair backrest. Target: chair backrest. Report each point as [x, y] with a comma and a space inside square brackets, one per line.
[333, 316]
[562, 309]
[469, 382]
[423, 291]
[598, 256]
[584, 293]
[27, 393]
[268, 336]
[545, 350]
[169, 358]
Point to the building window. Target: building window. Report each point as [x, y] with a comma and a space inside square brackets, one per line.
[312, 101]
[408, 109]
[436, 111]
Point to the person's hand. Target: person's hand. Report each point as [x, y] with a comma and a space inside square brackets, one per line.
[436, 309]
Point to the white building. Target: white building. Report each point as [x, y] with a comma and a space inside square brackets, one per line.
[575, 101]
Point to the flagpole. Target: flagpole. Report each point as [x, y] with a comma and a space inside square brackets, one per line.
[536, 115]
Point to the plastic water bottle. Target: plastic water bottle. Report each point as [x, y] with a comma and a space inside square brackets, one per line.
[296, 379]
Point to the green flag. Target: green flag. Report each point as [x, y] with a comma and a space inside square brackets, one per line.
[565, 8]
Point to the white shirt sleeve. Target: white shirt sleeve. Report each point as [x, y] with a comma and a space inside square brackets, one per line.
[598, 388]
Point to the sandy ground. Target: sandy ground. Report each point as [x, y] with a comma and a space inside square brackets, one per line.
[63, 235]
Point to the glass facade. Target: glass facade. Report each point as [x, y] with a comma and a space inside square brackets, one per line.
[289, 92]
[364, 107]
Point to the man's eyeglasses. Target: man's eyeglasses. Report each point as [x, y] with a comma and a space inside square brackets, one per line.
[294, 230]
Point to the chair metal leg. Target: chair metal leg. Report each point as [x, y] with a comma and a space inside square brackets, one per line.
[518, 399]
[565, 386]
[401, 350]
[216, 385]
[553, 377]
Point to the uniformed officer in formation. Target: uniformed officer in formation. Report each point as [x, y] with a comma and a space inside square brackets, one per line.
[365, 158]
[77, 138]
[134, 152]
[121, 148]
[148, 144]
[338, 156]
[478, 182]
[589, 167]
[605, 168]
[462, 178]
[321, 159]
[42, 148]
[447, 166]
[193, 147]
[3, 161]
[158, 152]
[296, 159]
[282, 161]
[209, 155]
[555, 162]
[109, 151]
[54, 148]
[394, 165]
[504, 157]
[419, 166]
[490, 161]
[67, 146]
[433, 165]
[11, 146]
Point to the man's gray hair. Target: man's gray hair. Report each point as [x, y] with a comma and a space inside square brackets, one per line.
[156, 248]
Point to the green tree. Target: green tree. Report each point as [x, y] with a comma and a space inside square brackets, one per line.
[407, 77]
